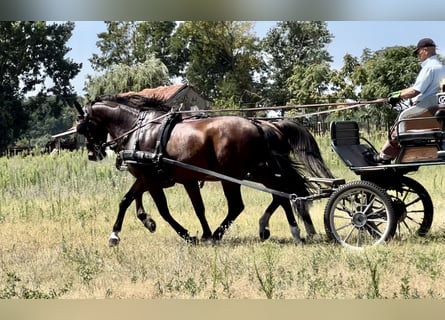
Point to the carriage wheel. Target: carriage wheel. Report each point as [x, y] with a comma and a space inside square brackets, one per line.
[360, 214]
[413, 208]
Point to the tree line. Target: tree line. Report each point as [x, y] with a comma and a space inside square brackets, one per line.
[224, 60]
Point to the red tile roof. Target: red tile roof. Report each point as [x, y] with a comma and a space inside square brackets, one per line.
[163, 92]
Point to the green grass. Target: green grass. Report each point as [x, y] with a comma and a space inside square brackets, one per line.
[56, 213]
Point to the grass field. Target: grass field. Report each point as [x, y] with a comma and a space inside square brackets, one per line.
[56, 213]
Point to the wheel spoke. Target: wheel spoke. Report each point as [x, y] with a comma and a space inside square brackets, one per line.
[344, 226]
[349, 233]
[375, 229]
[359, 237]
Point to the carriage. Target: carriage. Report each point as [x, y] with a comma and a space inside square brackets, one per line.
[384, 203]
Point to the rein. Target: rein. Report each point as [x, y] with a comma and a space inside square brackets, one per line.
[347, 105]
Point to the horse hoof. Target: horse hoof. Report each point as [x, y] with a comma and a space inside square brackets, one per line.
[114, 240]
[208, 241]
[113, 243]
[150, 224]
[300, 241]
[265, 234]
[217, 235]
[192, 240]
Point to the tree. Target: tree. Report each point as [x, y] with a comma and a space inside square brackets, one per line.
[52, 116]
[131, 42]
[123, 78]
[32, 60]
[387, 70]
[222, 58]
[344, 81]
[384, 71]
[309, 84]
[290, 44]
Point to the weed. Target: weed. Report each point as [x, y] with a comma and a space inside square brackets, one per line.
[13, 290]
[430, 263]
[405, 289]
[374, 291]
[220, 275]
[267, 281]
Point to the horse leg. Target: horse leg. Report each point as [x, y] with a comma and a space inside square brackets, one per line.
[194, 194]
[134, 192]
[302, 209]
[264, 230]
[158, 195]
[294, 229]
[145, 218]
[235, 203]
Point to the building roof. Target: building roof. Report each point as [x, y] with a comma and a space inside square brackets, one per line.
[164, 92]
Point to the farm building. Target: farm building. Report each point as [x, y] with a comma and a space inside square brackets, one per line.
[178, 96]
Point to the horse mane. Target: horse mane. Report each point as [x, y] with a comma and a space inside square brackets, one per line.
[137, 101]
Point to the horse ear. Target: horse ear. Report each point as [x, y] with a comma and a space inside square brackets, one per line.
[79, 109]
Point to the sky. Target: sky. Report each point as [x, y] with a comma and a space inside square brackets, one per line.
[348, 37]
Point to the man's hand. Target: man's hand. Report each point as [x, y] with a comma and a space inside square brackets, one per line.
[394, 97]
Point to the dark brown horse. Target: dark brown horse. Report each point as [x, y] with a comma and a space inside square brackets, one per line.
[146, 134]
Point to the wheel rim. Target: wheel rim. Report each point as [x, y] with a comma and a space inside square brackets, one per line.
[359, 215]
[413, 208]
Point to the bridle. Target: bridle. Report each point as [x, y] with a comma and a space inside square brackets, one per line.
[84, 127]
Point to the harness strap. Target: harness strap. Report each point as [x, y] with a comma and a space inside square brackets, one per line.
[113, 141]
[141, 118]
[164, 133]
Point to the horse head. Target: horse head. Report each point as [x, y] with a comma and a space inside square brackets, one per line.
[119, 117]
[95, 134]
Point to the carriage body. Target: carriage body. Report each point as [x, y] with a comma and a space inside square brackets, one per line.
[403, 204]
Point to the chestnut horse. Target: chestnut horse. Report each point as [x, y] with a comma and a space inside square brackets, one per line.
[145, 133]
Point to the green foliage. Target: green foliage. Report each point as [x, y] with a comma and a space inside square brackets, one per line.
[293, 46]
[388, 70]
[30, 54]
[222, 57]
[344, 81]
[12, 290]
[267, 280]
[47, 116]
[130, 43]
[124, 78]
[374, 76]
[309, 85]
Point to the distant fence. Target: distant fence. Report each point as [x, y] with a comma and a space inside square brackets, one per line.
[318, 128]
[15, 151]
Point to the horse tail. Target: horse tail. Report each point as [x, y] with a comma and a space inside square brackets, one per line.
[289, 170]
[304, 146]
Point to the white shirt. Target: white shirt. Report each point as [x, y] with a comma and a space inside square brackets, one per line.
[428, 80]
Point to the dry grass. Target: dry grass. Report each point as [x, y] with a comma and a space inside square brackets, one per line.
[56, 215]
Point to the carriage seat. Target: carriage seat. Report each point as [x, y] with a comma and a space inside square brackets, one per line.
[345, 141]
[420, 136]
[424, 136]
